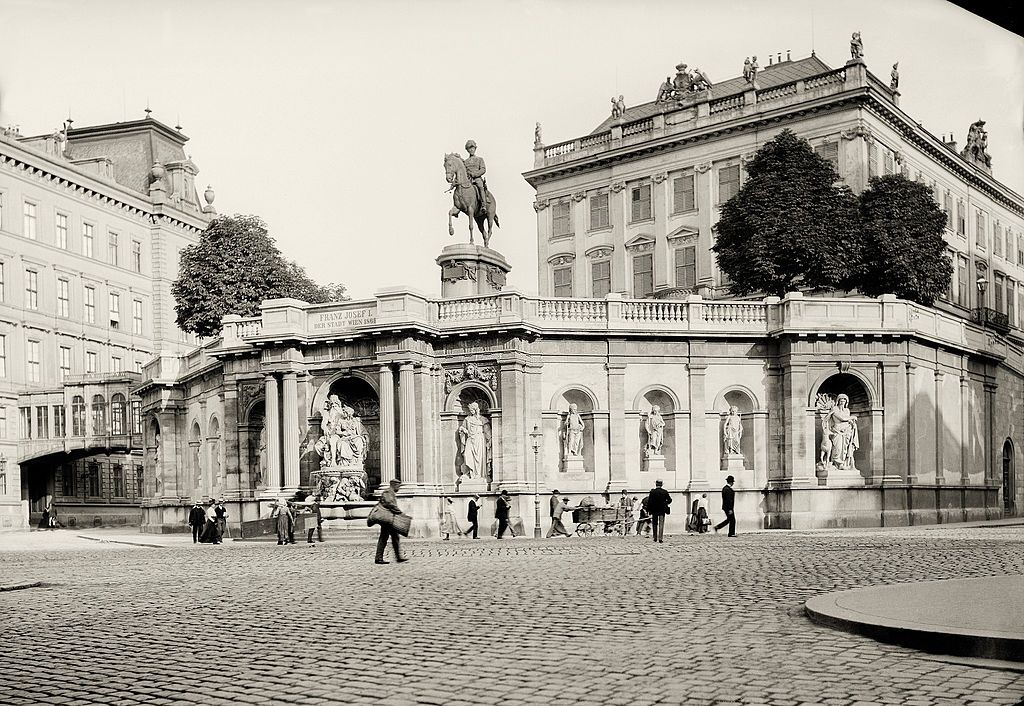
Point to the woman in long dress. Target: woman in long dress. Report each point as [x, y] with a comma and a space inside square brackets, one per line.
[449, 525]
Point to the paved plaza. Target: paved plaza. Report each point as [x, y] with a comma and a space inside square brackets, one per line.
[697, 620]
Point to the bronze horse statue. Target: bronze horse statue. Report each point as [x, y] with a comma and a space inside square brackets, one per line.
[465, 200]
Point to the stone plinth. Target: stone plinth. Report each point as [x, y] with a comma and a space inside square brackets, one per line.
[733, 464]
[471, 271]
[654, 463]
[471, 485]
[573, 464]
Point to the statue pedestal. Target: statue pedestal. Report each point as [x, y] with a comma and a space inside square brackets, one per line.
[733, 463]
[654, 463]
[573, 464]
[465, 484]
[471, 271]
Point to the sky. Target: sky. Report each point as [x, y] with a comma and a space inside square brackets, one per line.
[330, 120]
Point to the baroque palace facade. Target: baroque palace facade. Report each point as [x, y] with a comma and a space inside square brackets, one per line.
[853, 411]
[91, 223]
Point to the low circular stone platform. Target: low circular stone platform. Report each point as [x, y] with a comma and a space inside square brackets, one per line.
[981, 617]
[471, 270]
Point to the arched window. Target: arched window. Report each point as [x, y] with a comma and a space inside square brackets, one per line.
[78, 416]
[99, 415]
[117, 420]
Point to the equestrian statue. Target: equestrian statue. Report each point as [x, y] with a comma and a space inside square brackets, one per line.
[470, 196]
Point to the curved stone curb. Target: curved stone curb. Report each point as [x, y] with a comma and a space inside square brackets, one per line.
[104, 540]
[920, 628]
[19, 586]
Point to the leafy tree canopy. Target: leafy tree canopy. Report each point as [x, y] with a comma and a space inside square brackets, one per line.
[905, 254]
[235, 266]
[790, 224]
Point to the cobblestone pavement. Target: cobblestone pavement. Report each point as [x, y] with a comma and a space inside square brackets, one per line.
[697, 620]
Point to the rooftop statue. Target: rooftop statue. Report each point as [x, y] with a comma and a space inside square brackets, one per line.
[665, 91]
[748, 75]
[856, 47]
[538, 141]
[976, 149]
[894, 77]
[471, 196]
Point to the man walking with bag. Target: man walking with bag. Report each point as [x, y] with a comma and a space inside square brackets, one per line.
[389, 500]
[658, 501]
[728, 503]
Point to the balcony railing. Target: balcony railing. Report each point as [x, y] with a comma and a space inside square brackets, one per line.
[990, 318]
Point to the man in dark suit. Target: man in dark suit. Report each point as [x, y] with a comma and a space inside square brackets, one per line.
[554, 502]
[196, 520]
[473, 515]
[658, 501]
[501, 509]
[728, 502]
[389, 499]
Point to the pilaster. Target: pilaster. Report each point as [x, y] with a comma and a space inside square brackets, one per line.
[698, 425]
[798, 430]
[387, 424]
[273, 422]
[514, 431]
[939, 429]
[407, 422]
[616, 426]
[290, 448]
[894, 394]
[913, 463]
[965, 429]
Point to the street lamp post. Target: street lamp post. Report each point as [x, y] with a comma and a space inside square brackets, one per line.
[535, 438]
[982, 284]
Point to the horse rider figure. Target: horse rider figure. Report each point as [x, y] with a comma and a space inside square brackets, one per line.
[476, 169]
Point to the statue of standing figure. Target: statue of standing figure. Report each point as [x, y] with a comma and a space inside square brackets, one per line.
[475, 442]
[976, 147]
[894, 77]
[344, 440]
[572, 432]
[732, 433]
[856, 47]
[654, 425]
[839, 432]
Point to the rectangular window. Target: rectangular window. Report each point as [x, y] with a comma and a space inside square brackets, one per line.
[599, 211]
[686, 267]
[90, 361]
[1020, 249]
[560, 221]
[137, 256]
[87, 239]
[63, 298]
[62, 231]
[963, 283]
[33, 362]
[961, 219]
[872, 161]
[139, 478]
[683, 194]
[1, 211]
[67, 480]
[136, 416]
[643, 275]
[641, 202]
[94, 480]
[3, 422]
[3, 356]
[26, 422]
[90, 305]
[112, 248]
[947, 206]
[889, 164]
[60, 422]
[1000, 285]
[950, 293]
[115, 364]
[137, 316]
[117, 480]
[31, 289]
[830, 153]
[1, 280]
[138, 366]
[1011, 298]
[78, 416]
[115, 310]
[562, 277]
[601, 277]
[42, 422]
[29, 220]
[997, 239]
[65, 362]
[980, 233]
[728, 182]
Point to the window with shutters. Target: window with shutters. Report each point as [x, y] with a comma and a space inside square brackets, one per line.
[1000, 285]
[980, 232]
[961, 219]
[889, 162]
[683, 199]
[728, 182]
[562, 280]
[643, 275]
[829, 151]
[947, 206]
[560, 219]
[872, 161]
[601, 278]
[963, 282]
[599, 211]
[686, 267]
[997, 239]
[641, 202]
[1011, 298]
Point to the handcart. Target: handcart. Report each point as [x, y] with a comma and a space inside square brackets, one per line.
[616, 520]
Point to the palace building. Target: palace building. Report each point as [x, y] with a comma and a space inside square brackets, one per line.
[91, 223]
[853, 411]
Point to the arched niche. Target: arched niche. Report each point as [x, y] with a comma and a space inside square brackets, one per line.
[746, 404]
[1008, 478]
[667, 403]
[195, 442]
[153, 456]
[213, 441]
[868, 421]
[358, 391]
[586, 403]
[459, 399]
[250, 432]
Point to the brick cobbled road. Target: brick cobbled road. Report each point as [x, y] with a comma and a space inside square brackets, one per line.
[697, 620]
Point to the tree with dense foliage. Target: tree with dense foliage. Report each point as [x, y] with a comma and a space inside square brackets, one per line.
[904, 251]
[790, 225]
[235, 266]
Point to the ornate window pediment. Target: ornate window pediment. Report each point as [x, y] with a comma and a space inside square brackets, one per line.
[640, 243]
[599, 252]
[561, 259]
[683, 235]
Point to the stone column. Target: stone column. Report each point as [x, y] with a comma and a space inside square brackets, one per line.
[911, 447]
[516, 470]
[387, 425]
[290, 424]
[616, 428]
[894, 394]
[273, 422]
[698, 427]
[991, 448]
[965, 429]
[939, 431]
[229, 437]
[407, 421]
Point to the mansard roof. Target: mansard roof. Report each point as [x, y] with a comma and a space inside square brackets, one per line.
[767, 77]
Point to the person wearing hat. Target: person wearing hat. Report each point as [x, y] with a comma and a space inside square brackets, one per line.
[501, 512]
[196, 520]
[554, 502]
[476, 169]
[728, 503]
[556, 520]
[473, 515]
[658, 501]
[221, 518]
[389, 499]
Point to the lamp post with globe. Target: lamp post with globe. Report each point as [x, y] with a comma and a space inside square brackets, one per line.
[535, 438]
